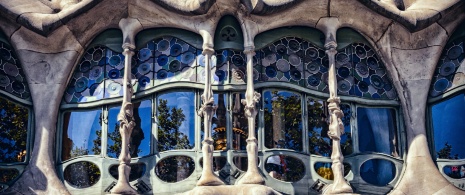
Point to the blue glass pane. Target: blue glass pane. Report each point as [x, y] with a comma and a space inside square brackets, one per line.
[140, 137]
[449, 129]
[218, 128]
[12, 79]
[377, 130]
[378, 172]
[283, 120]
[82, 131]
[13, 131]
[455, 171]
[176, 121]
[450, 63]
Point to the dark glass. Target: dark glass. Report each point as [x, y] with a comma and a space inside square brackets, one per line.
[7, 175]
[455, 171]
[13, 132]
[449, 128]
[140, 137]
[175, 168]
[283, 120]
[240, 125]
[176, 121]
[285, 168]
[218, 123]
[318, 124]
[82, 174]
[241, 162]
[218, 162]
[378, 172]
[82, 133]
[325, 171]
[137, 171]
[377, 131]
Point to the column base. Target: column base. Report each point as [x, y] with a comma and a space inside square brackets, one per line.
[122, 186]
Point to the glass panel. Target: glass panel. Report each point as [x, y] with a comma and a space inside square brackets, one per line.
[218, 162]
[449, 129]
[176, 121]
[324, 170]
[377, 131]
[283, 120]
[13, 132]
[241, 162]
[285, 168]
[455, 171]
[239, 123]
[218, 123]
[137, 171]
[140, 137]
[7, 175]
[378, 172]
[175, 168]
[82, 174]
[82, 132]
[318, 124]
[12, 79]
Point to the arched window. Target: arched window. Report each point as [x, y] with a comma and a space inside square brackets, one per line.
[15, 116]
[446, 110]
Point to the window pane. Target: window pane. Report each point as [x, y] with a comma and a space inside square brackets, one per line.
[140, 137]
[377, 130]
[175, 168]
[82, 174]
[13, 132]
[218, 123]
[82, 133]
[283, 120]
[176, 121]
[240, 124]
[378, 171]
[449, 128]
[285, 168]
[318, 124]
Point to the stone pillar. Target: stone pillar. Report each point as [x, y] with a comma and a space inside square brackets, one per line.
[252, 176]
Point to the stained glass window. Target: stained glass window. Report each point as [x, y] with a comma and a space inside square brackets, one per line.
[450, 71]
[12, 79]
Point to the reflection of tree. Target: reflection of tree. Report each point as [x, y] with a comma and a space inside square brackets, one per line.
[13, 131]
[445, 152]
[82, 174]
[176, 168]
[169, 121]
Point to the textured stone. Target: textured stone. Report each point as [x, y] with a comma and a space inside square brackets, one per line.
[245, 189]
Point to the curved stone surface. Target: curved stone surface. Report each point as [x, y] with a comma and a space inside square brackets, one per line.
[188, 7]
[266, 7]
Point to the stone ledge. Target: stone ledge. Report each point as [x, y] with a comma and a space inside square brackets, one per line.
[244, 189]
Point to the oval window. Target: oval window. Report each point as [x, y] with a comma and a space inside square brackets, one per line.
[82, 174]
[241, 162]
[285, 168]
[7, 175]
[455, 171]
[324, 170]
[137, 171]
[218, 162]
[175, 168]
[378, 171]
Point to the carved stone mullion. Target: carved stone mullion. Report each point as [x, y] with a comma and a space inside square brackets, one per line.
[127, 123]
[207, 110]
[252, 176]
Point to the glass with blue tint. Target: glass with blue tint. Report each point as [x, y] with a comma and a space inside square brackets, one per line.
[455, 171]
[378, 171]
[82, 133]
[176, 121]
[240, 125]
[283, 120]
[13, 132]
[377, 130]
[140, 137]
[449, 129]
[218, 123]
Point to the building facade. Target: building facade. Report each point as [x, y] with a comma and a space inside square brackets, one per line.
[399, 71]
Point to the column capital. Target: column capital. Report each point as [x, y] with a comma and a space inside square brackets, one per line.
[208, 51]
[249, 50]
[128, 49]
[331, 45]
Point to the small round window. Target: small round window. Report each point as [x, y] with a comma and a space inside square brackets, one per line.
[175, 168]
[285, 168]
[378, 172]
[82, 174]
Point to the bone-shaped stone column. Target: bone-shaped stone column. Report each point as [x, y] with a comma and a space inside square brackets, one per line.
[252, 176]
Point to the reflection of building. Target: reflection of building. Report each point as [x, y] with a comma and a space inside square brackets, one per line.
[399, 63]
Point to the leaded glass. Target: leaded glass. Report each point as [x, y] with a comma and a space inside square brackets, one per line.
[12, 79]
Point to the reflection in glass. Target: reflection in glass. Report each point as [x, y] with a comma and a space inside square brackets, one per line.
[449, 128]
[318, 124]
[137, 171]
[378, 172]
[82, 174]
[82, 132]
[283, 120]
[140, 137]
[241, 162]
[285, 168]
[239, 123]
[324, 170]
[175, 168]
[176, 121]
[7, 175]
[218, 123]
[455, 171]
[13, 132]
[377, 130]
[218, 162]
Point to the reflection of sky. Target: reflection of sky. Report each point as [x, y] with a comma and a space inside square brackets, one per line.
[449, 126]
[82, 127]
